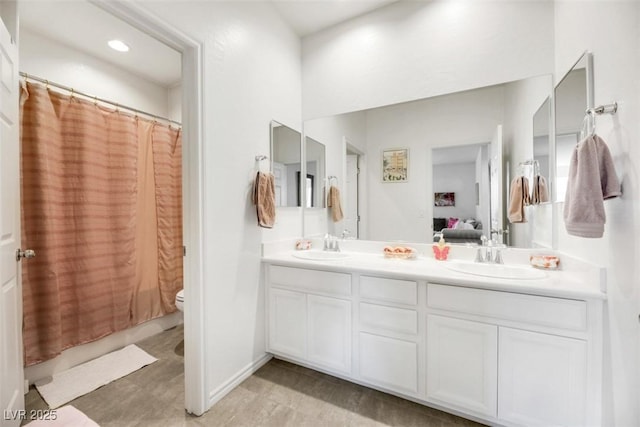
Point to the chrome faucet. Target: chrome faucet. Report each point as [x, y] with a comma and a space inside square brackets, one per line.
[481, 253]
[331, 243]
[490, 252]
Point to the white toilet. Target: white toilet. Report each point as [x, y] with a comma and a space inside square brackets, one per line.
[180, 300]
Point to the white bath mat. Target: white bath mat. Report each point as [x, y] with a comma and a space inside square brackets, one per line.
[79, 380]
[67, 416]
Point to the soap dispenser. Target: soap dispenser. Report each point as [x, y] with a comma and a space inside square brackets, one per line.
[441, 249]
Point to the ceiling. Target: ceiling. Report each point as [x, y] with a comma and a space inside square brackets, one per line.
[455, 154]
[87, 28]
[309, 16]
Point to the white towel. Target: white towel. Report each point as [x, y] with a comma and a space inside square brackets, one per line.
[592, 179]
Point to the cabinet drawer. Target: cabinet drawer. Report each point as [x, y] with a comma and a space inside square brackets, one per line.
[389, 290]
[544, 311]
[311, 280]
[380, 319]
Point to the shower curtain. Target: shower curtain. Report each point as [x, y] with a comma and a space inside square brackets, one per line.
[102, 208]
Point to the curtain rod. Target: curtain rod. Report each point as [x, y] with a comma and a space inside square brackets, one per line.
[95, 98]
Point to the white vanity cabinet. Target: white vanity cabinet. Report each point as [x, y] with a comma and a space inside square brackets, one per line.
[542, 371]
[288, 322]
[505, 358]
[329, 332]
[310, 317]
[462, 364]
[524, 359]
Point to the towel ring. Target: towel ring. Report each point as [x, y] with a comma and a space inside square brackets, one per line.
[590, 118]
[588, 126]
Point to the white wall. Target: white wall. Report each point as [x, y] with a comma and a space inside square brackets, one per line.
[615, 46]
[458, 178]
[251, 76]
[61, 64]
[174, 103]
[414, 50]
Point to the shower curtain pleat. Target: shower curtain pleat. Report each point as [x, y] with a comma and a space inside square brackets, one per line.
[81, 193]
[167, 157]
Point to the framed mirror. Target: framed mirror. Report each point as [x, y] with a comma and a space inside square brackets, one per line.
[572, 96]
[315, 167]
[286, 161]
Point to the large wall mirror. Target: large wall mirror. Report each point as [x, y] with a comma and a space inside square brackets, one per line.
[435, 134]
[286, 155]
[573, 95]
[315, 173]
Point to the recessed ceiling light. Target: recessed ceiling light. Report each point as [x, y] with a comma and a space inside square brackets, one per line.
[118, 45]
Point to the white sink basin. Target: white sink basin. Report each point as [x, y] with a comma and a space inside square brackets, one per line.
[320, 255]
[498, 271]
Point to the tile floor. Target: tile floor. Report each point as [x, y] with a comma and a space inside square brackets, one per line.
[279, 394]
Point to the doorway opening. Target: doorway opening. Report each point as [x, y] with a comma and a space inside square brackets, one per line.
[353, 200]
[188, 101]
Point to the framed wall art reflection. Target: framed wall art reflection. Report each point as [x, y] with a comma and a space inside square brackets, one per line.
[395, 165]
[444, 199]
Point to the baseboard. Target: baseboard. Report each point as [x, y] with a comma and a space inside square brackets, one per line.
[243, 374]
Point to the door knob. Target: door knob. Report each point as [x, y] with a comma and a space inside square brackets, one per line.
[27, 253]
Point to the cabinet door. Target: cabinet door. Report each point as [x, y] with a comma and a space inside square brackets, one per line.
[287, 322]
[542, 379]
[462, 363]
[389, 362]
[329, 334]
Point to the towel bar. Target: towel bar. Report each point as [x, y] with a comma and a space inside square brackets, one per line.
[603, 109]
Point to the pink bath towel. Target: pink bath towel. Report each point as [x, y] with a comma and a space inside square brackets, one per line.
[540, 192]
[264, 197]
[592, 179]
[518, 199]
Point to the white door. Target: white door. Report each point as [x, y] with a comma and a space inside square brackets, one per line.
[351, 201]
[541, 371]
[496, 179]
[287, 322]
[462, 364]
[329, 333]
[280, 183]
[11, 364]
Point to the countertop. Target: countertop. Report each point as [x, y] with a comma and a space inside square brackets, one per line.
[573, 284]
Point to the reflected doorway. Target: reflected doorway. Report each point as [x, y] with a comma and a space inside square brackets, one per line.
[352, 196]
